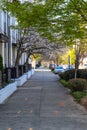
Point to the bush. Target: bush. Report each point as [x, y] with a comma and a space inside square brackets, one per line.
[82, 73]
[1, 71]
[69, 74]
[1, 63]
[77, 84]
[52, 69]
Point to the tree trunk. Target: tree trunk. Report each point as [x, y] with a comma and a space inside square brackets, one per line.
[27, 58]
[18, 58]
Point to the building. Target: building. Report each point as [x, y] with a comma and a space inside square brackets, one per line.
[8, 40]
[5, 37]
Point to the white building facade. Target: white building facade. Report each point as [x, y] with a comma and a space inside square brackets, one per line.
[4, 37]
[8, 40]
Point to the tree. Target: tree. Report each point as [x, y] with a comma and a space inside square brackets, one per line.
[29, 15]
[65, 19]
[31, 43]
[63, 59]
[61, 21]
[72, 56]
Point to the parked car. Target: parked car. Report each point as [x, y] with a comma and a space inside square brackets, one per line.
[84, 66]
[58, 69]
[37, 66]
[51, 66]
[69, 67]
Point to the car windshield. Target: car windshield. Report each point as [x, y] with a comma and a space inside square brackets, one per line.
[85, 64]
[59, 67]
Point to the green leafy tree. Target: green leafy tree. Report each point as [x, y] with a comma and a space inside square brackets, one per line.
[72, 56]
[62, 21]
[63, 59]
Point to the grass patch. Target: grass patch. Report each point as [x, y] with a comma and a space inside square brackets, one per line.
[63, 82]
[79, 95]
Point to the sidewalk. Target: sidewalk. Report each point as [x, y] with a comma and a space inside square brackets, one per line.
[42, 103]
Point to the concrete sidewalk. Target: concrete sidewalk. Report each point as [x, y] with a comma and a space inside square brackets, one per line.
[42, 103]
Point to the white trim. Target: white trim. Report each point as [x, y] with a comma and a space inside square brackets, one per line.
[7, 91]
[21, 80]
[12, 87]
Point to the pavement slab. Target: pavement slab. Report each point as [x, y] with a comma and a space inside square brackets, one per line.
[42, 103]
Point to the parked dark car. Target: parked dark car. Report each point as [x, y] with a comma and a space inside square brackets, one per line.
[37, 66]
[69, 67]
[51, 66]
